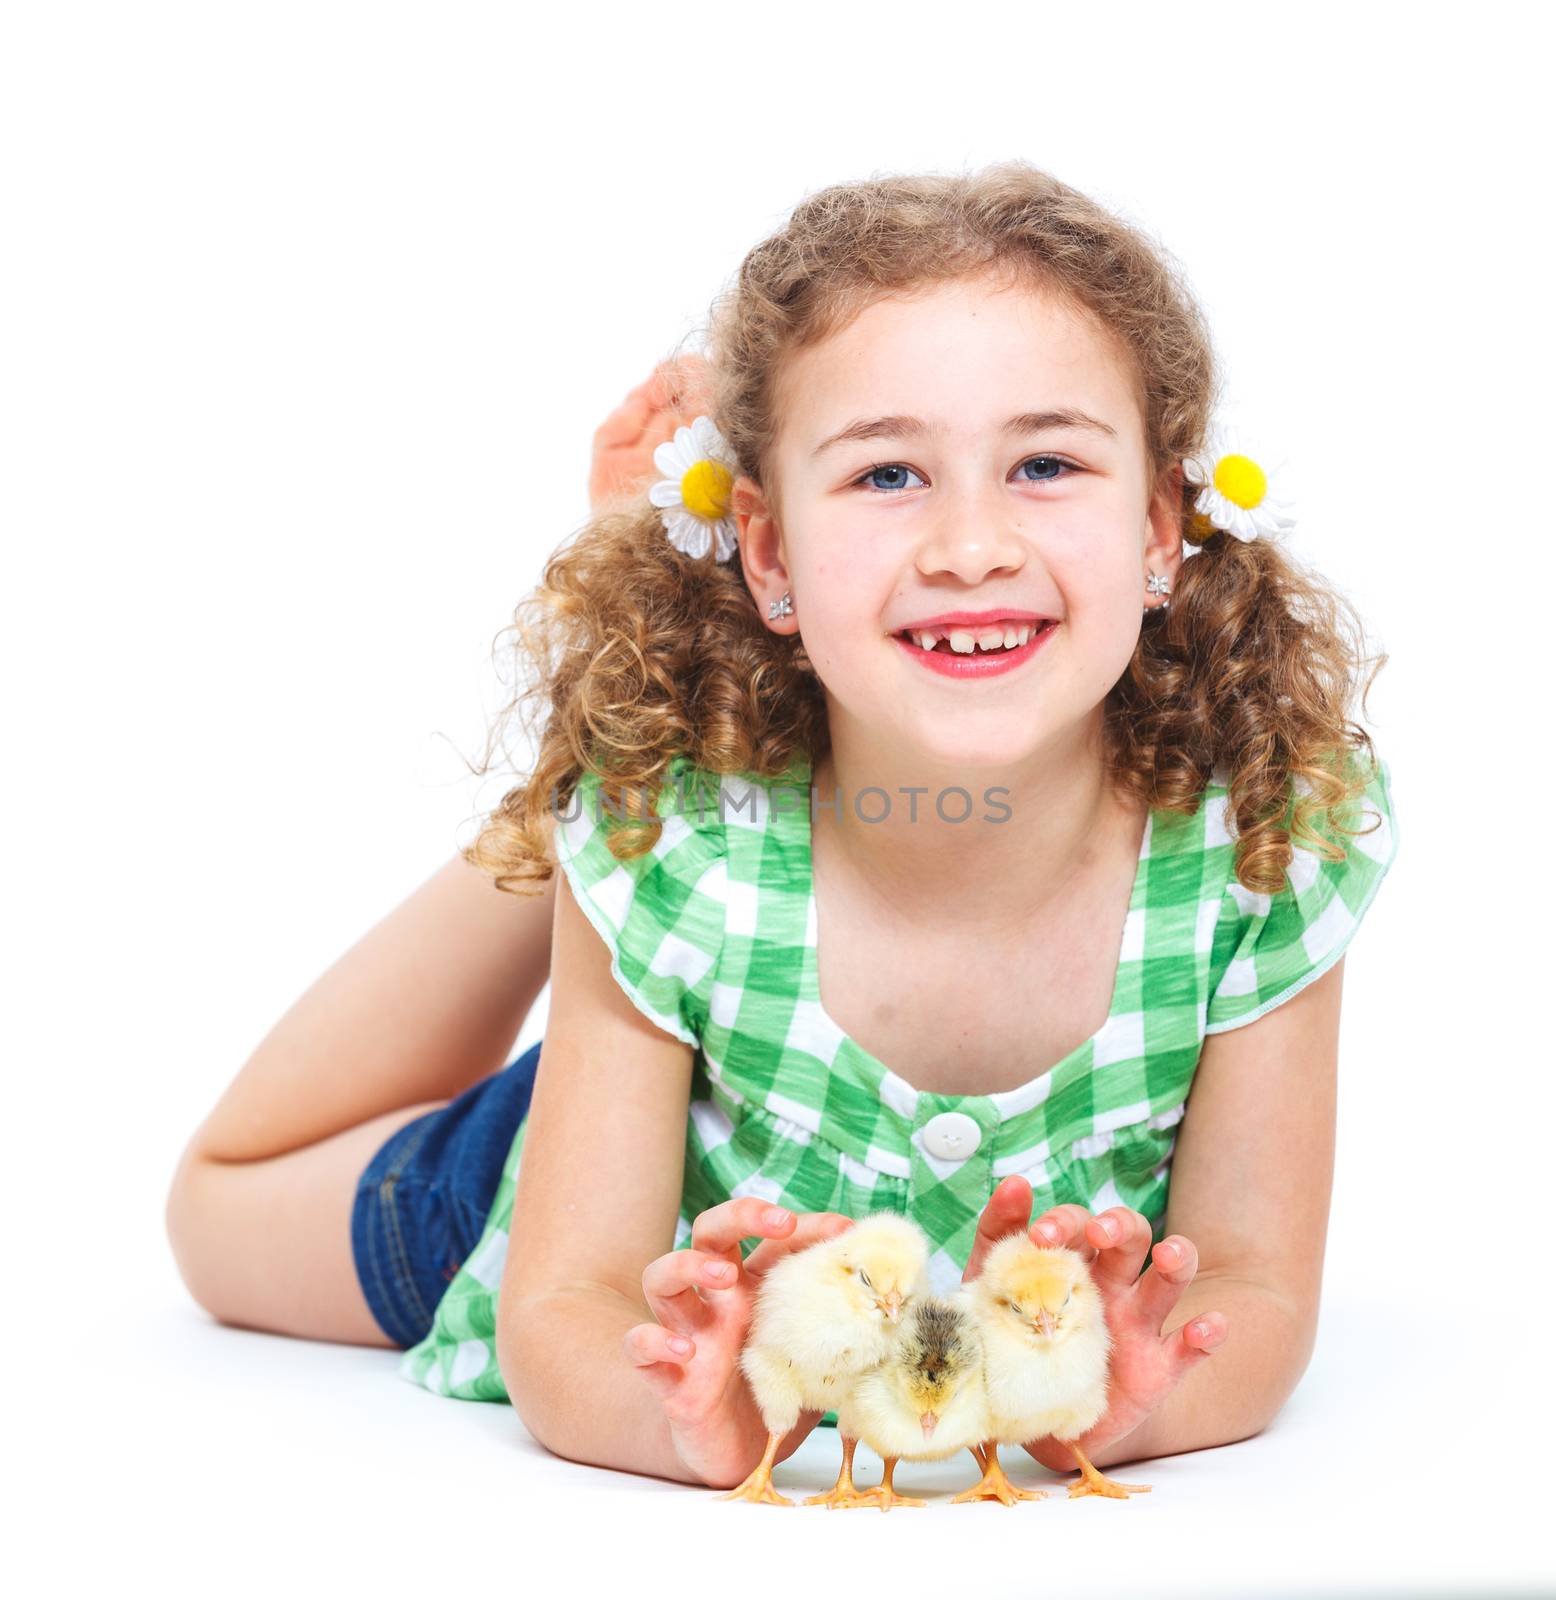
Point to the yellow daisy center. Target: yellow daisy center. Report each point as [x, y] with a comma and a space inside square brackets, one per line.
[705, 489]
[1240, 480]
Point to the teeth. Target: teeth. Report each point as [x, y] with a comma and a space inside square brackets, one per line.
[965, 641]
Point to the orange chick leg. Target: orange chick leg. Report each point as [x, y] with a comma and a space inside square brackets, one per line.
[1092, 1482]
[994, 1485]
[758, 1488]
[842, 1493]
[883, 1494]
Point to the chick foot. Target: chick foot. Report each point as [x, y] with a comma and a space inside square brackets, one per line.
[758, 1488]
[883, 1495]
[994, 1485]
[843, 1493]
[1092, 1482]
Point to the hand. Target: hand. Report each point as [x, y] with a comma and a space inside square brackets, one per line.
[715, 1423]
[1009, 1211]
[622, 458]
[1144, 1367]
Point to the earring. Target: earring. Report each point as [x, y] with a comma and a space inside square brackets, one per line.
[781, 608]
[1156, 583]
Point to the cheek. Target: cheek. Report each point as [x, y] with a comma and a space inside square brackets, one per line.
[1100, 571]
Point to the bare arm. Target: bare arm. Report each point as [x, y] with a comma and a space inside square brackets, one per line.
[599, 1192]
[1251, 1182]
[426, 1003]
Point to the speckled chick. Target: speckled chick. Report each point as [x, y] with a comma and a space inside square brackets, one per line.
[924, 1402]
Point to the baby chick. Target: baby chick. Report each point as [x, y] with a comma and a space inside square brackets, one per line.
[1046, 1346]
[823, 1315]
[925, 1401]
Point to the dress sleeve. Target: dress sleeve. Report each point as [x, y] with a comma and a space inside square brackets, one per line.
[661, 915]
[1270, 947]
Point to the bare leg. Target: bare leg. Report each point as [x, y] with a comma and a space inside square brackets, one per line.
[1092, 1482]
[758, 1488]
[267, 1244]
[425, 1004]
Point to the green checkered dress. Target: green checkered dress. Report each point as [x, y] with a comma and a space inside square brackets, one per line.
[713, 935]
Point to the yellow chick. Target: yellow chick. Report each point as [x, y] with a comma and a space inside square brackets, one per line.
[1046, 1347]
[823, 1315]
[925, 1401]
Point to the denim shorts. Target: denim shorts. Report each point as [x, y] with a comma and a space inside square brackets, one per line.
[421, 1204]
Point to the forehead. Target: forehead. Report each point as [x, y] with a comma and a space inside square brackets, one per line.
[962, 355]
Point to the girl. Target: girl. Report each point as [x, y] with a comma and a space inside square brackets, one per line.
[959, 814]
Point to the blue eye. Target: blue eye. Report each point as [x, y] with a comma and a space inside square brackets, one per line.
[885, 466]
[1063, 469]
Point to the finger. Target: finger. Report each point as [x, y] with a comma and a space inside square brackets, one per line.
[1008, 1211]
[1196, 1341]
[720, 1228]
[671, 1282]
[658, 1355]
[1064, 1228]
[812, 1228]
[1174, 1262]
[1122, 1237]
[686, 383]
[624, 426]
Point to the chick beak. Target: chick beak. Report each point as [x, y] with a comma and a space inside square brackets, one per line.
[927, 1423]
[892, 1305]
[1045, 1323]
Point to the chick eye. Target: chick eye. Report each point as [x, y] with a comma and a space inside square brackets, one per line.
[864, 1278]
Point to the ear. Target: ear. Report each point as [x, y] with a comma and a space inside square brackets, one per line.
[761, 551]
[1163, 551]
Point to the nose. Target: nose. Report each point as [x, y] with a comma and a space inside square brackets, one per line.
[972, 535]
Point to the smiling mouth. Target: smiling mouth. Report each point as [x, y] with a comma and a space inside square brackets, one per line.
[985, 640]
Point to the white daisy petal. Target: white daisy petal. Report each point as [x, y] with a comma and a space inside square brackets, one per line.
[687, 533]
[668, 459]
[710, 442]
[1194, 470]
[667, 492]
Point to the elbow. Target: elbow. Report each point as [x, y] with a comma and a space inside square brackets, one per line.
[525, 1344]
[517, 1365]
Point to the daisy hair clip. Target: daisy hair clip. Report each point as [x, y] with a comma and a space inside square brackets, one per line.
[694, 495]
[1234, 489]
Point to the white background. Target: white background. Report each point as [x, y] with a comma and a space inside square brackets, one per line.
[308, 314]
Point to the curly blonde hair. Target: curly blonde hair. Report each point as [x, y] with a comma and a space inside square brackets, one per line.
[637, 652]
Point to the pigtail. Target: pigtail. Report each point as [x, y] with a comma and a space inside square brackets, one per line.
[631, 652]
[1247, 677]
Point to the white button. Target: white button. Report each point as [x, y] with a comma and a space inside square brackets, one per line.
[953, 1136]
